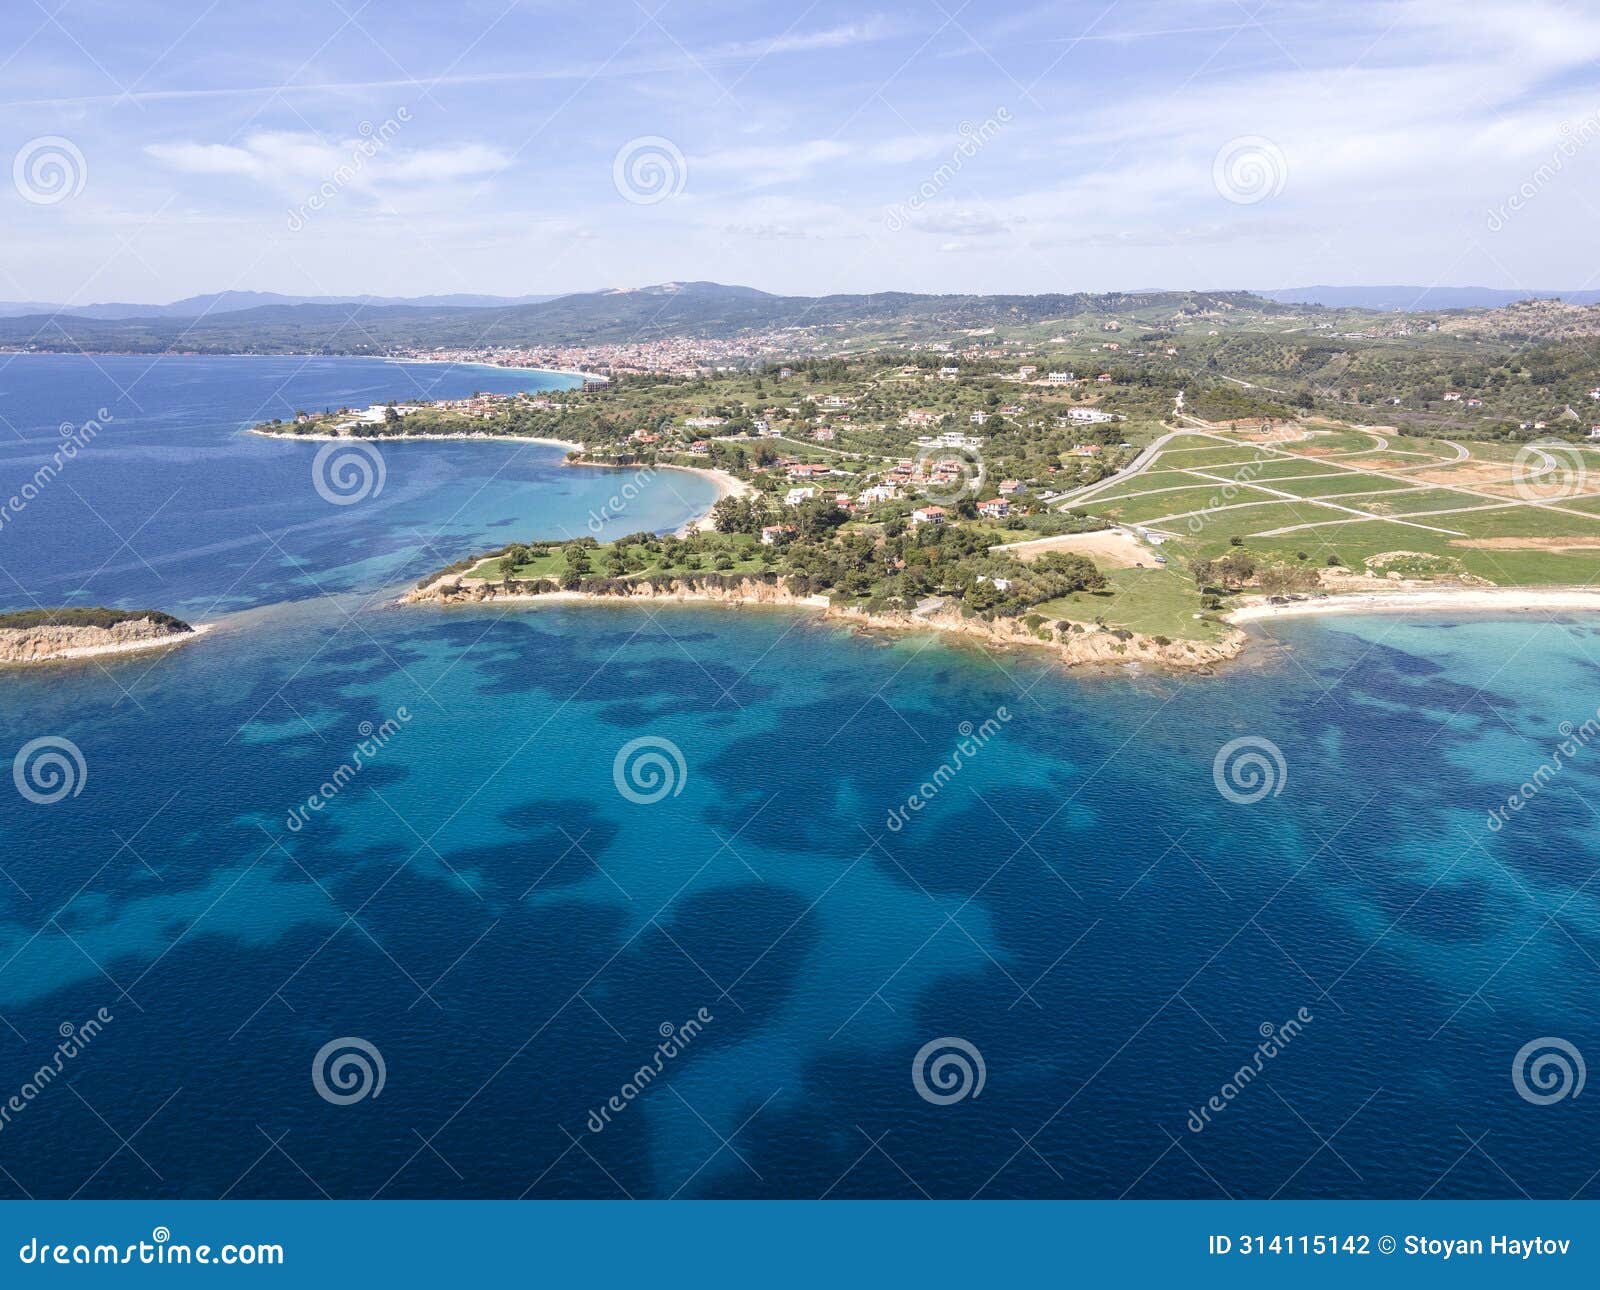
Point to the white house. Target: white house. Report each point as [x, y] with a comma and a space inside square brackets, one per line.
[797, 495]
[928, 515]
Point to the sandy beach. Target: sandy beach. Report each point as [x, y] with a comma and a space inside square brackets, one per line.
[1453, 600]
[417, 438]
[727, 486]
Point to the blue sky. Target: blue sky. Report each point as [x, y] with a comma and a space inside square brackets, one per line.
[331, 146]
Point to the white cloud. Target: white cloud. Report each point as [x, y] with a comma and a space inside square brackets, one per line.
[292, 161]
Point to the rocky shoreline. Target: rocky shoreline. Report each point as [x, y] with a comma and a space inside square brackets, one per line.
[51, 643]
[1074, 644]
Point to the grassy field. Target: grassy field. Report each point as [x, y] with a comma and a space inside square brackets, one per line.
[1490, 514]
[1157, 602]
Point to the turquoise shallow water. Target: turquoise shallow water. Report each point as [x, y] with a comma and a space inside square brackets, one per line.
[1078, 904]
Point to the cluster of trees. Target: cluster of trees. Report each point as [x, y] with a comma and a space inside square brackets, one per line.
[893, 570]
[899, 569]
[1237, 566]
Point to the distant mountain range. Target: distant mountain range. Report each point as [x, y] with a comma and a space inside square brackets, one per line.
[1413, 299]
[698, 309]
[226, 302]
[264, 322]
[220, 303]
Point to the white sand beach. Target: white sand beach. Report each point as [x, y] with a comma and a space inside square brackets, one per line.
[1451, 600]
[727, 486]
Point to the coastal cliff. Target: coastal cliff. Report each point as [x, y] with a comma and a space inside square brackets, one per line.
[1075, 644]
[44, 641]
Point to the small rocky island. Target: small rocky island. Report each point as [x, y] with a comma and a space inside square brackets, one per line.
[40, 635]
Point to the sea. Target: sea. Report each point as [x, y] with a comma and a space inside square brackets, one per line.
[343, 899]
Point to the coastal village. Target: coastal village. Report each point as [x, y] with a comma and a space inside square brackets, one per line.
[1070, 497]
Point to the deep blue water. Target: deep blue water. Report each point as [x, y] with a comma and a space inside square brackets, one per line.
[481, 904]
[173, 505]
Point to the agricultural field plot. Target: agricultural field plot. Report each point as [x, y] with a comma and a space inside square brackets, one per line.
[1333, 487]
[1267, 468]
[1151, 481]
[1490, 513]
[1203, 450]
[1421, 502]
[1203, 497]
